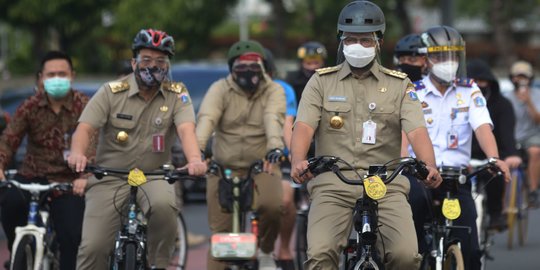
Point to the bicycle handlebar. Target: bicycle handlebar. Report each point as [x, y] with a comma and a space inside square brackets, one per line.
[167, 171]
[255, 168]
[488, 166]
[321, 164]
[36, 187]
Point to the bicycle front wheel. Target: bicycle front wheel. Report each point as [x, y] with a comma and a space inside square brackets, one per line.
[454, 258]
[130, 257]
[181, 249]
[301, 240]
[24, 256]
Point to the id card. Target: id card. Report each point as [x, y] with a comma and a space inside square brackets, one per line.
[452, 140]
[158, 143]
[369, 133]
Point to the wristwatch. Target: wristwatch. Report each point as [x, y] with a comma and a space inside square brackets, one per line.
[493, 160]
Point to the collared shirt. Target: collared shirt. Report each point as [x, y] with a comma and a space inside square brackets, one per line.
[336, 91]
[48, 135]
[149, 125]
[246, 127]
[460, 111]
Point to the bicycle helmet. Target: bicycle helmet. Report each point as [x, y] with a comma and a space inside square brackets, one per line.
[242, 47]
[409, 45]
[311, 49]
[361, 17]
[445, 41]
[153, 39]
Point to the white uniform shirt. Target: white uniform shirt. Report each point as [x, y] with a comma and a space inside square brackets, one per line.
[457, 113]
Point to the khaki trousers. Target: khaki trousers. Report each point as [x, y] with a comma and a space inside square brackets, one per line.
[268, 204]
[101, 221]
[330, 223]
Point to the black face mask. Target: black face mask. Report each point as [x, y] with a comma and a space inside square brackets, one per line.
[414, 72]
[308, 73]
[486, 91]
[248, 80]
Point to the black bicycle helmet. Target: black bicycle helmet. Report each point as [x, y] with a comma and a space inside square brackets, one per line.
[153, 39]
[442, 38]
[409, 45]
[311, 49]
[361, 17]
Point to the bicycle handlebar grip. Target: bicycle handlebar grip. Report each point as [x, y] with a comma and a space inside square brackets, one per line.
[421, 170]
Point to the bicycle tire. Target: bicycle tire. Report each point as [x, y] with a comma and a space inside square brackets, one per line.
[523, 213]
[24, 256]
[180, 254]
[453, 259]
[130, 257]
[427, 262]
[301, 240]
[511, 210]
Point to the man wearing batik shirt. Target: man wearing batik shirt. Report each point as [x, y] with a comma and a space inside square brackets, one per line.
[48, 119]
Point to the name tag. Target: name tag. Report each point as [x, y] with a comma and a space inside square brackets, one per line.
[124, 116]
[337, 99]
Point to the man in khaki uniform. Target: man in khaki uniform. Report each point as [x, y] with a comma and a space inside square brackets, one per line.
[246, 111]
[356, 111]
[137, 117]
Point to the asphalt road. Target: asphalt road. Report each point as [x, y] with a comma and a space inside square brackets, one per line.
[523, 258]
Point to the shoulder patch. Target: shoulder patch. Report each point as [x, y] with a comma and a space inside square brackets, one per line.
[175, 87]
[411, 92]
[419, 85]
[118, 86]
[394, 73]
[465, 82]
[327, 70]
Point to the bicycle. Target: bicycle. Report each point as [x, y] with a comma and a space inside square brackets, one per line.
[444, 250]
[302, 202]
[35, 243]
[478, 191]
[130, 247]
[239, 247]
[361, 253]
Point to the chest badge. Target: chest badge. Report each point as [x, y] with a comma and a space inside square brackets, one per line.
[383, 90]
[424, 104]
[122, 137]
[158, 121]
[163, 108]
[336, 121]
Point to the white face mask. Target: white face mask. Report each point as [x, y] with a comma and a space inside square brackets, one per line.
[358, 55]
[445, 71]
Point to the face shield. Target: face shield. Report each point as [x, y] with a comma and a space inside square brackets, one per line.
[447, 63]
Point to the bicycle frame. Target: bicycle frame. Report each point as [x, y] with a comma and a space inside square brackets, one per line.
[365, 217]
[37, 224]
[237, 247]
[438, 231]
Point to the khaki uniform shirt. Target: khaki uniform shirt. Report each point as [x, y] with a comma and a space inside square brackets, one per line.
[336, 91]
[117, 107]
[246, 128]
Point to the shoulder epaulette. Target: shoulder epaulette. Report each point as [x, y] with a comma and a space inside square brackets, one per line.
[394, 73]
[419, 85]
[465, 82]
[327, 70]
[118, 86]
[175, 87]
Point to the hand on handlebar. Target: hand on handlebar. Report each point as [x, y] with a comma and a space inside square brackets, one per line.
[434, 179]
[79, 185]
[513, 161]
[197, 167]
[504, 169]
[77, 162]
[300, 172]
[275, 155]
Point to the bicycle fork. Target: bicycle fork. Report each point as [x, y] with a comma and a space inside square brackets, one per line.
[31, 229]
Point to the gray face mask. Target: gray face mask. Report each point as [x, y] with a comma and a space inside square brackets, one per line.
[151, 76]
